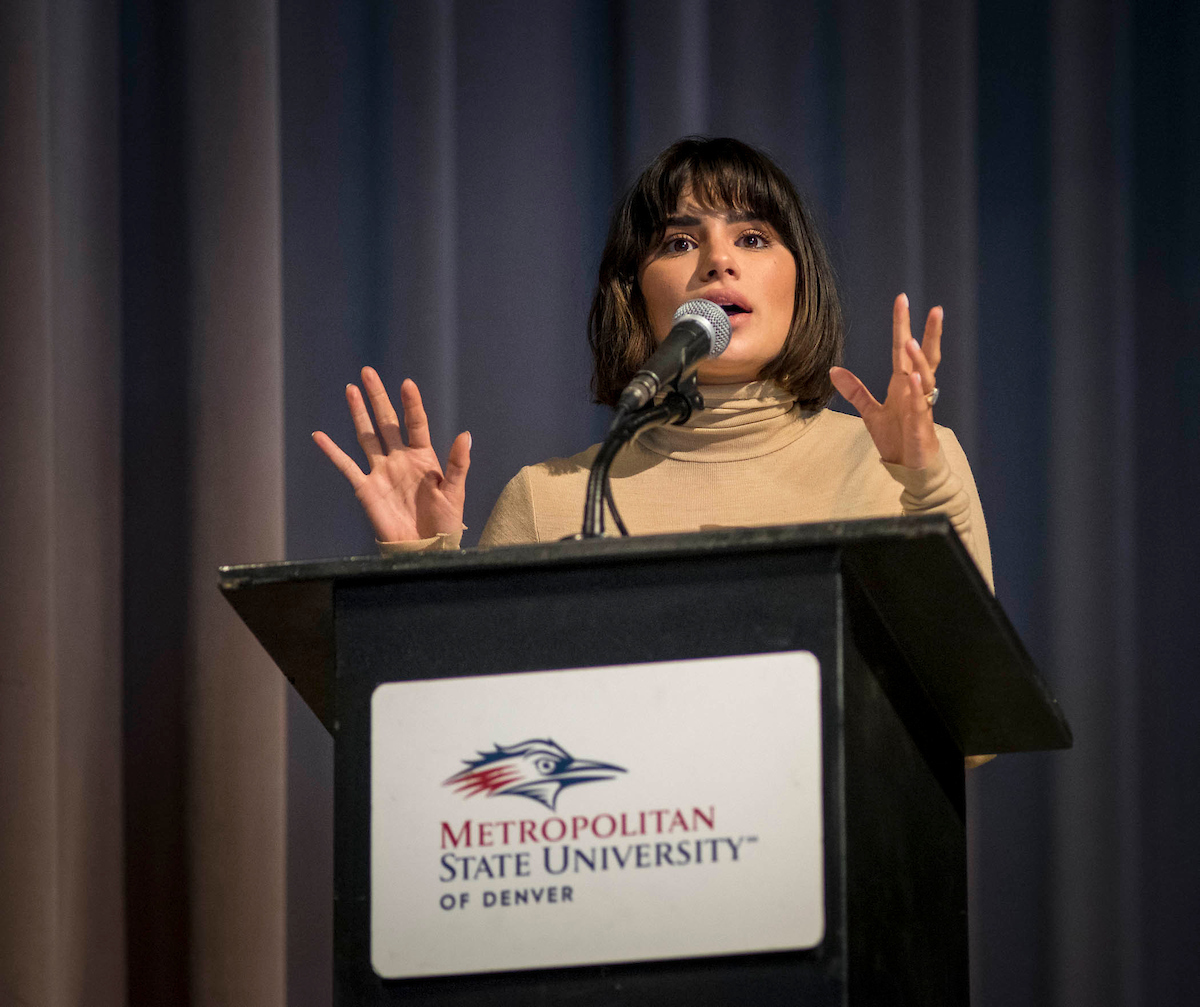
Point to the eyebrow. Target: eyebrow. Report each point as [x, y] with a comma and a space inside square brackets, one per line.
[732, 217]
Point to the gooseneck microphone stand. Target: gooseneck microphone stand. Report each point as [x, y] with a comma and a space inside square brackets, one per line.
[681, 401]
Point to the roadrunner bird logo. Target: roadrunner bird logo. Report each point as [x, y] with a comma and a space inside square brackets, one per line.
[538, 769]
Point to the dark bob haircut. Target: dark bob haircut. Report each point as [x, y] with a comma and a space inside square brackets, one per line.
[720, 174]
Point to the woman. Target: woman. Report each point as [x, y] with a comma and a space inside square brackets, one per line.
[714, 219]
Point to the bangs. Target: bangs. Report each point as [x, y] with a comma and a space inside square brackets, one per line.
[718, 177]
[722, 185]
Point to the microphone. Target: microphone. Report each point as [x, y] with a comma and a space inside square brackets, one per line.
[700, 329]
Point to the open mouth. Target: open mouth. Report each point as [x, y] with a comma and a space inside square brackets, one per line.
[733, 309]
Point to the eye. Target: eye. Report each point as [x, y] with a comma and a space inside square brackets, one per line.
[755, 239]
[545, 765]
[678, 243]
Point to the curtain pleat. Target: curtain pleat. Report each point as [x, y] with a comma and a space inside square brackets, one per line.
[1092, 526]
[61, 842]
[29, 727]
[236, 712]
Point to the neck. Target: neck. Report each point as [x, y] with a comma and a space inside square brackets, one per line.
[738, 421]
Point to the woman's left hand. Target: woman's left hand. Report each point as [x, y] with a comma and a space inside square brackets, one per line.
[901, 426]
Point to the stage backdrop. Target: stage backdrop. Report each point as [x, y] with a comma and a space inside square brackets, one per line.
[213, 212]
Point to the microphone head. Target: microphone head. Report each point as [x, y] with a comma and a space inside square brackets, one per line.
[712, 313]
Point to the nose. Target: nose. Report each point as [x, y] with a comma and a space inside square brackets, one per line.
[719, 260]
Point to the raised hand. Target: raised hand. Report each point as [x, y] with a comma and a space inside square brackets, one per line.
[405, 493]
[902, 426]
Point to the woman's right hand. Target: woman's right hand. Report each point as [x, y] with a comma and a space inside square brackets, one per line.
[405, 494]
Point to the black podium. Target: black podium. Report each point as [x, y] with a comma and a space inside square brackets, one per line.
[919, 666]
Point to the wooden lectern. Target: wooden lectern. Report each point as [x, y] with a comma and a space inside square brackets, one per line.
[919, 665]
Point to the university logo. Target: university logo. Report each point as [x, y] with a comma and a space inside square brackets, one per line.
[538, 769]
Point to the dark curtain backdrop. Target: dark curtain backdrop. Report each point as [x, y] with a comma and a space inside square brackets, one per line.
[213, 212]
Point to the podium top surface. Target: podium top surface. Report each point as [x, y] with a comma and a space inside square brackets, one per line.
[914, 572]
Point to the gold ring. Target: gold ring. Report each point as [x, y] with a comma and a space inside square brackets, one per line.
[932, 396]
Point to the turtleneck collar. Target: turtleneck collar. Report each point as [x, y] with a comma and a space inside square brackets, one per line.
[737, 421]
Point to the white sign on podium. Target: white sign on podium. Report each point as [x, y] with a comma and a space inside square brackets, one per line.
[596, 815]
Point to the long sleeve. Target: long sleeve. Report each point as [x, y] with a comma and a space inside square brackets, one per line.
[441, 542]
[739, 471]
[947, 487]
[512, 521]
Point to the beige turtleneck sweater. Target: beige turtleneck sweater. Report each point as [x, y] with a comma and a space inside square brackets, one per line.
[751, 457]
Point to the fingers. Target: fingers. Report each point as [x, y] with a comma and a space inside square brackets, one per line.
[917, 403]
[415, 420]
[901, 334]
[385, 415]
[909, 356]
[921, 367]
[416, 424]
[457, 463]
[925, 357]
[342, 461]
[931, 342]
[853, 391]
[364, 429]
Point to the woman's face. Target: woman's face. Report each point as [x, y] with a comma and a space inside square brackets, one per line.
[735, 260]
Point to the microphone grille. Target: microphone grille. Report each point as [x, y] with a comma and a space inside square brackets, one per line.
[712, 313]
